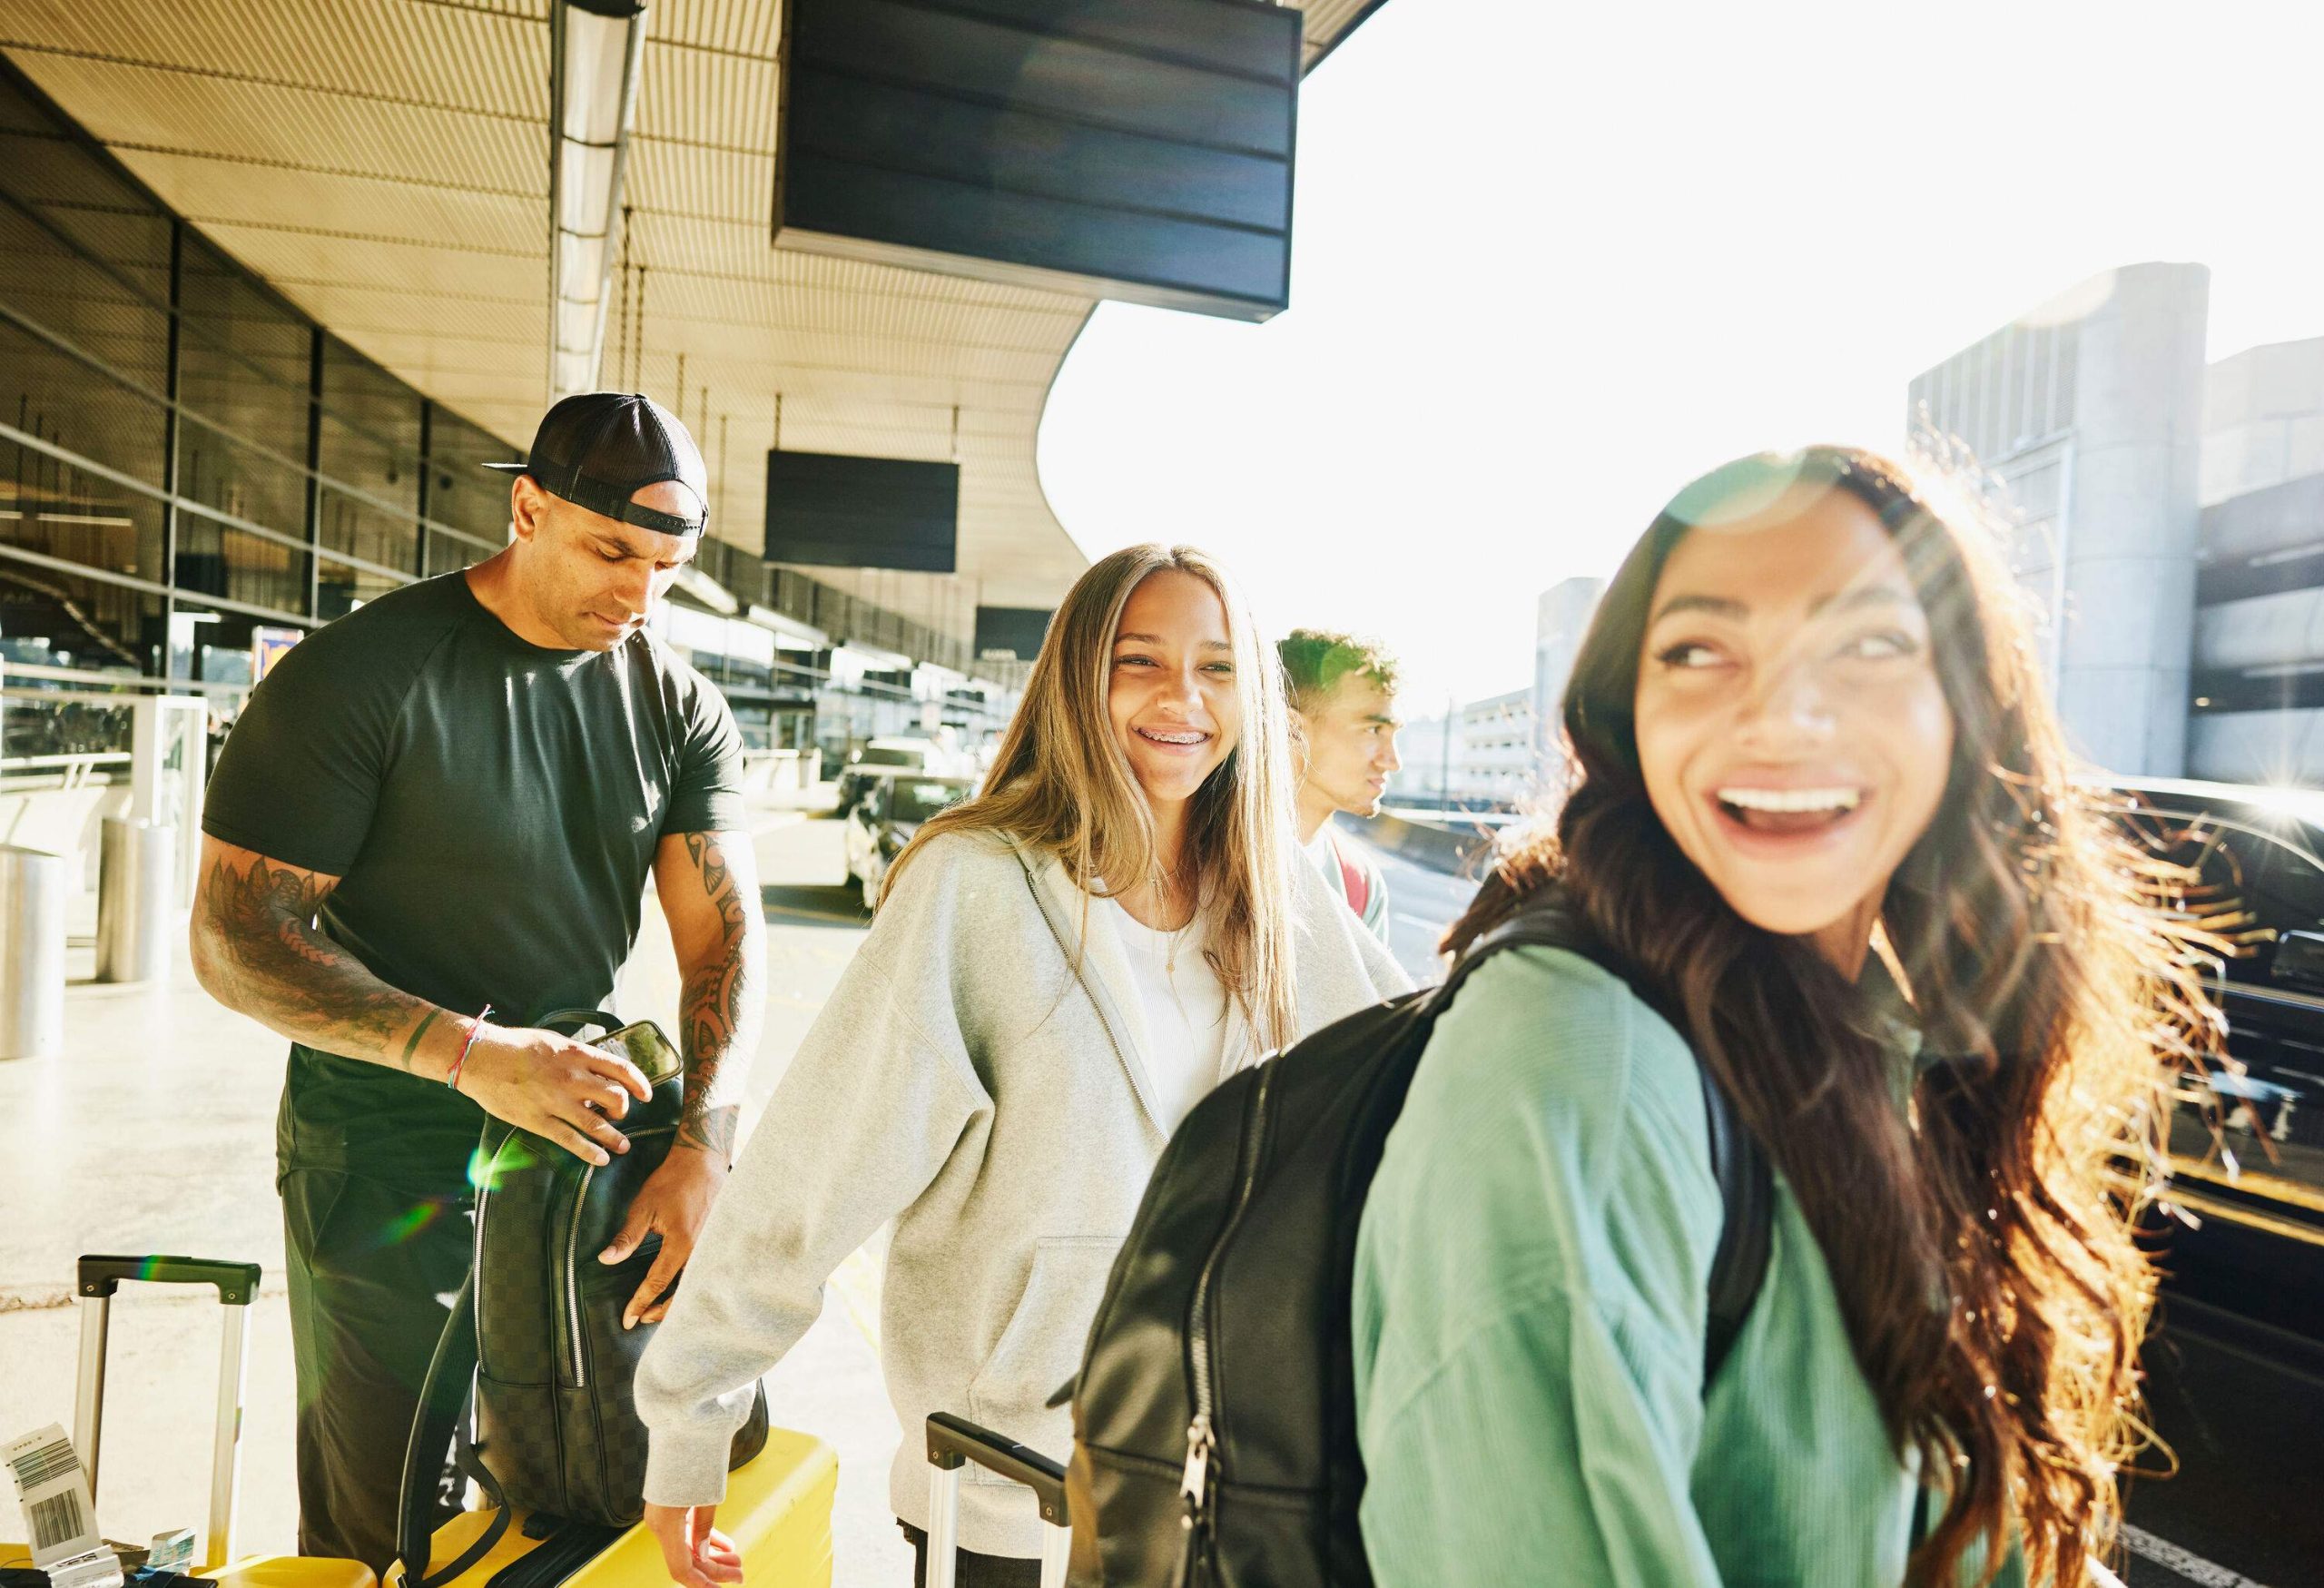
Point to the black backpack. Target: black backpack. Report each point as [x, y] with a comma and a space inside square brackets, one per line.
[1214, 1419]
[535, 1339]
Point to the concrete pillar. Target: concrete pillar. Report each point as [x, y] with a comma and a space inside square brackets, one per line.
[2128, 542]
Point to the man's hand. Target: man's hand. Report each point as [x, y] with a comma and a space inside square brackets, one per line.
[673, 1202]
[556, 1087]
[697, 1554]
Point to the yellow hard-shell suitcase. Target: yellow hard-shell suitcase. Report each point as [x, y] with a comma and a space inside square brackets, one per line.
[777, 1510]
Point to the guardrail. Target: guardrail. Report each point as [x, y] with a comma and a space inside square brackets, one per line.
[47, 774]
[115, 680]
[1457, 844]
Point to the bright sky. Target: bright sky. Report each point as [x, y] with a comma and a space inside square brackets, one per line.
[1553, 260]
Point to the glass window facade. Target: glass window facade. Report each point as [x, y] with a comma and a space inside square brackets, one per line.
[183, 455]
[467, 506]
[186, 458]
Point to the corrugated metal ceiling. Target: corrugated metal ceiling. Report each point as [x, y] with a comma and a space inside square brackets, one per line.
[384, 164]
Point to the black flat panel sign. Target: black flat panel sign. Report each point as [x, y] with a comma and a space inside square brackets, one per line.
[826, 510]
[1011, 632]
[1130, 149]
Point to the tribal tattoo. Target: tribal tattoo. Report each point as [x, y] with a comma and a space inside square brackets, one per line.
[721, 1004]
[258, 933]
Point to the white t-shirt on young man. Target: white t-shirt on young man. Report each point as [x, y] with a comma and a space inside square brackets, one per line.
[1186, 1010]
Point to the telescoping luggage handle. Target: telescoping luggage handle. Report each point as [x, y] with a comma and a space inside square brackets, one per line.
[97, 1278]
[952, 1442]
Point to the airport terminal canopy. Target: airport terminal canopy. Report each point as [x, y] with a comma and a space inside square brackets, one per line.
[387, 166]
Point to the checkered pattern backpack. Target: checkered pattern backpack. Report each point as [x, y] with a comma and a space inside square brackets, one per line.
[535, 1341]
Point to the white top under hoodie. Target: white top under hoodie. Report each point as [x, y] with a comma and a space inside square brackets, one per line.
[1184, 1005]
[962, 997]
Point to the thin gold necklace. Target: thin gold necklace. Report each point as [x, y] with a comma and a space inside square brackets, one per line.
[1170, 958]
[1162, 896]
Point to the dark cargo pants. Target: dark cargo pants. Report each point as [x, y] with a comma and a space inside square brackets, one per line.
[976, 1571]
[372, 1270]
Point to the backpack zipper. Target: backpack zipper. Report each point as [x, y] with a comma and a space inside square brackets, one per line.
[476, 1262]
[1194, 1486]
[573, 1253]
[573, 1277]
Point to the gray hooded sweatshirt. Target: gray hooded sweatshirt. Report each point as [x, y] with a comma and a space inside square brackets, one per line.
[965, 1082]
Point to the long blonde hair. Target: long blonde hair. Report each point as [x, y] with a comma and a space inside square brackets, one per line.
[1062, 785]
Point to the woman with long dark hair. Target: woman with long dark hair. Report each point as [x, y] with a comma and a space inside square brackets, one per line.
[1823, 812]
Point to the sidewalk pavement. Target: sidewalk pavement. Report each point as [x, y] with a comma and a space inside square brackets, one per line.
[153, 1131]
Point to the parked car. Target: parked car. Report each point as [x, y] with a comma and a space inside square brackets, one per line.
[888, 757]
[886, 815]
[2247, 1142]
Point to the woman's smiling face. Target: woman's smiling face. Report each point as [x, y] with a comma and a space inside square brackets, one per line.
[1792, 734]
[1172, 695]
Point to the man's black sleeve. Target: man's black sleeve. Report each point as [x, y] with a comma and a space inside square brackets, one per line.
[299, 774]
[708, 796]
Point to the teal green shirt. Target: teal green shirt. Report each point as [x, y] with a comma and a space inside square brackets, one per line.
[1531, 1296]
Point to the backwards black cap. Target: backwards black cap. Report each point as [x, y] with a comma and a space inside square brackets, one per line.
[598, 449]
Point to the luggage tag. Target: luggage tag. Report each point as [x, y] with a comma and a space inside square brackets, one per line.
[54, 1489]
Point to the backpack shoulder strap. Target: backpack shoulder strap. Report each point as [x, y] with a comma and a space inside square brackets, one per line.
[439, 1424]
[1747, 1189]
[1545, 921]
[1738, 1162]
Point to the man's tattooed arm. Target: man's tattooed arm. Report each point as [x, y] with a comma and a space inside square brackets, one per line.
[708, 884]
[258, 950]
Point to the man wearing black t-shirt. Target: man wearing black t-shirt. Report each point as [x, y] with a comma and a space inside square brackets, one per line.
[445, 808]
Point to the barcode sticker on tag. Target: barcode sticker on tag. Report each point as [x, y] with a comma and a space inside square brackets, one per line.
[55, 1493]
[55, 1520]
[51, 1460]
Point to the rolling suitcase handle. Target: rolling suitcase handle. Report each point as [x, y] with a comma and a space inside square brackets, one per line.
[952, 1442]
[97, 1280]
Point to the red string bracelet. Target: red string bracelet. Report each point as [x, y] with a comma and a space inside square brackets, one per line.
[452, 1077]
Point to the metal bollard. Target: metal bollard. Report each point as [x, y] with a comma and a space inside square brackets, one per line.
[32, 952]
[134, 887]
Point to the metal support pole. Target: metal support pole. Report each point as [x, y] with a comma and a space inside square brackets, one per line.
[314, 468]
[172, 442]
[943, 1524]
[89, 1390]
[427, 470]
[226, 1453]
[193, 781]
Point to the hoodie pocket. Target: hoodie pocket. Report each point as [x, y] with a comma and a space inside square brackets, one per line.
[1041, 1347]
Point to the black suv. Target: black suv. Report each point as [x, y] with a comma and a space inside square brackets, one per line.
[2248, 1151]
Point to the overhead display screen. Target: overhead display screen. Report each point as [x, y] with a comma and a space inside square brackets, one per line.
[826, 509]
[1011, 632]
[1131, 149]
